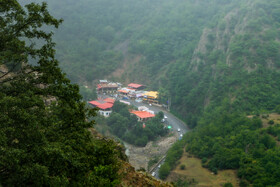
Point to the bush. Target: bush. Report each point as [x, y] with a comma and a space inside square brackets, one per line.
[164, 171]
[243, 183]
[277, 109]
[228, 185]
[182, 167]
[214, 170]
[204, 160]
[141, 169]
[270, 122]
[264, 116]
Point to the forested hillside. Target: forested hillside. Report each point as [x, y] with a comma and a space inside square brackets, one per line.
[208, 56]
[218, 61]
[201, 53]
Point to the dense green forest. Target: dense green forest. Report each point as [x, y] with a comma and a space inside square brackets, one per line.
[232, 141]
[126, 127]
[198, 52]
[217, 60]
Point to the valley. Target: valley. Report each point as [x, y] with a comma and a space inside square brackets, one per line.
[193, 96]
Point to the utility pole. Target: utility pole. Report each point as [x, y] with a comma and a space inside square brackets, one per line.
[169, 103]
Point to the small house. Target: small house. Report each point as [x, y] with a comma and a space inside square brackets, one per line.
[104, 106]
[142, 115]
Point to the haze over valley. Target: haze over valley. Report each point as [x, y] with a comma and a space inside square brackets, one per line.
[188, 88]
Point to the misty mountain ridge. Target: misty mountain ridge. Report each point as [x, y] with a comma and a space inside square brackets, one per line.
[182, 47]
[217, 61]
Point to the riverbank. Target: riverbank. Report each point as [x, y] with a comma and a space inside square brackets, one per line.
[140, 156]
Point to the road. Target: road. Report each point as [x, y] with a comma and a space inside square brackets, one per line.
[170, 120]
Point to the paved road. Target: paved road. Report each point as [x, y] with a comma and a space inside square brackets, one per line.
[171, 120]
[157, 168]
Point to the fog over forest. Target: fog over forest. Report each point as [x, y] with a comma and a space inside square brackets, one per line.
[215, 65]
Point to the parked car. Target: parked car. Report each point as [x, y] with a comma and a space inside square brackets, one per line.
[153, 174]
[138, 100]
[179, 129]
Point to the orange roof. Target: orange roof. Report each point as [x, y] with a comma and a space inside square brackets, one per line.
[101, 105]
[142, 114]
[105, 106]
[133, 85]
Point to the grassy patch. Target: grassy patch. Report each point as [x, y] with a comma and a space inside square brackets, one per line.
[267, 118]
[272, 117]
[203, 177]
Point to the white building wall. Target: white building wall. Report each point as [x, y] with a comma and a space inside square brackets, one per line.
[105, 113]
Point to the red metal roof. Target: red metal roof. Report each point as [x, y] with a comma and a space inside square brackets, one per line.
[133, 85]
[105, 106]
[96, 103]
[142, 114]
[99, 86]
[101, 105]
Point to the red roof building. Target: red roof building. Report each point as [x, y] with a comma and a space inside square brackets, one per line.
[107, 87]
[105, 106]
[135, 86]
[142, 115]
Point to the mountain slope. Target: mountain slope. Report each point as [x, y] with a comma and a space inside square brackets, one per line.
[200, 53]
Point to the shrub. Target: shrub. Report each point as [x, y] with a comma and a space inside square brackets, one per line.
[182, 167]
[214, 170]
[228, 185]
[204, 160]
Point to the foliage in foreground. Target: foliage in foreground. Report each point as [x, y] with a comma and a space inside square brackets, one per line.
[44, 139]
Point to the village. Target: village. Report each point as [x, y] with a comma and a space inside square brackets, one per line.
[133, 91]
[146, 106]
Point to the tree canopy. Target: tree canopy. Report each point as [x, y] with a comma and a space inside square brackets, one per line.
[44, 139]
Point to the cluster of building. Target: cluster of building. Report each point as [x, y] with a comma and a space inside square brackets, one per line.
[135, 91]
[132, 91]
[107, 87]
